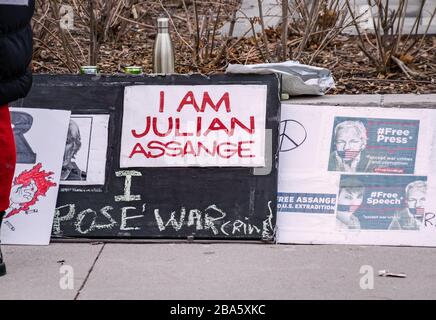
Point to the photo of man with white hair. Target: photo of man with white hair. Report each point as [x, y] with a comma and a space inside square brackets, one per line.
[350, 140]
[70, 170]
[412, 216]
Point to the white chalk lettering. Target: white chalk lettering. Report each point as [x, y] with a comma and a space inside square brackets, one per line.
[268, 229]
[195, 215]
[94, 225]
[209, 222]
[177, 225]
[127, 197]
[58, 219]
[124, 219]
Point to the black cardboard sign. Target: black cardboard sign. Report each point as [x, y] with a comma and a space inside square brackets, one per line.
[160, 203]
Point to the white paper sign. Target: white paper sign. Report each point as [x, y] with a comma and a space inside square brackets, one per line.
[357, 176]
[174, 126]
[40, 139]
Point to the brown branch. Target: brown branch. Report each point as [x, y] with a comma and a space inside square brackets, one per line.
[285, 6]
[262, 24]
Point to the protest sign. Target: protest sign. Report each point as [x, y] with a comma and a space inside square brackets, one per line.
[173, 126]
[356, 176]
[184, 202]
[40, 138]
[379, 202]
[373, 145]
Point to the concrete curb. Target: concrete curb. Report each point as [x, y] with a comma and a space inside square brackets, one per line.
[369, 100]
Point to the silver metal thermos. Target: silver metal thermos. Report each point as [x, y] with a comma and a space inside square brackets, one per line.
[163, 53]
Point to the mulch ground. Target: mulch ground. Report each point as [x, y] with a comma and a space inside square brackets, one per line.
[352, 70]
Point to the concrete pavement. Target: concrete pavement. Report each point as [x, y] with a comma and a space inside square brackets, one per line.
[215, 271]
[224, 270]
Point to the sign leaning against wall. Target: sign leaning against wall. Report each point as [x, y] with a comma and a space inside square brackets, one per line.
[166, 157]
[357, 176]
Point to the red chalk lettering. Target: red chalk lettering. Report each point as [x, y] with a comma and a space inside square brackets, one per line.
[216, 125]
[146, 130]
[241, 149]
[198, 126]
[174, 127]
[170, 127]
[235, 121]
[162, 101]
[181, 134]
[225, 150]
[189, 99]
[189, 149]
[228, 152]
[156, 145]
[178, 148]
[202, 146]
[208, 101]
[138, 149]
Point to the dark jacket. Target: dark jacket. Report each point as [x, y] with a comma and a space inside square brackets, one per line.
[15, 81]
[15, 51]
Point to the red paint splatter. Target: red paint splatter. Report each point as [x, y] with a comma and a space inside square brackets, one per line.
[42, 181]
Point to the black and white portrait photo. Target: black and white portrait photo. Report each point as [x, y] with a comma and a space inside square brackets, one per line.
[70, 170]
[84, 160]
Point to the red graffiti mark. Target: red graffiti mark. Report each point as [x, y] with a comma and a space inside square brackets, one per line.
[42, 182]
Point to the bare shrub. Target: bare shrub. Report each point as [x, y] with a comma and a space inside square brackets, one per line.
[390, 46]
[316, 23]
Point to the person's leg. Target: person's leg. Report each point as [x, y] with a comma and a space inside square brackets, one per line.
[2, 264]
[7, 166]
[7, 157]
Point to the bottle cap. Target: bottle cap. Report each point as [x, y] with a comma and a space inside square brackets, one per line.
[89, 70]
[133, 70]
[162, 23]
